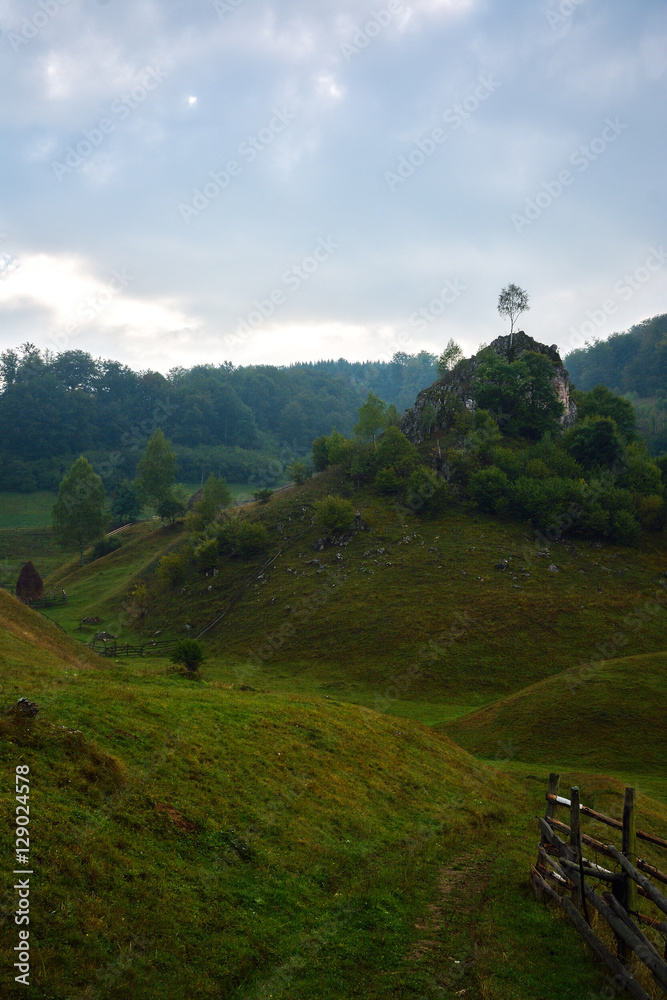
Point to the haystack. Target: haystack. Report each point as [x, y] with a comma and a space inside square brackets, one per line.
[29, 586]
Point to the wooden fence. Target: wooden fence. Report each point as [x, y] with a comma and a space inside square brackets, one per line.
[48, 601]
[563, 873]
[110, 647]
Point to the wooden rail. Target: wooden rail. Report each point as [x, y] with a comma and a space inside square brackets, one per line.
[48, 601]
[561, 873]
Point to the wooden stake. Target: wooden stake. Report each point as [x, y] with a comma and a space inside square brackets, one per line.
[575, 841]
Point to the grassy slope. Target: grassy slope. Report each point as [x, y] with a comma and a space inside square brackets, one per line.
[366, 615]
[605, 717]
[194, 841]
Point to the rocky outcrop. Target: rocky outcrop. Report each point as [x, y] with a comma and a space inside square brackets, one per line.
[436, 406]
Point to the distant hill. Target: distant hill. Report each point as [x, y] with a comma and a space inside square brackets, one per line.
[631, 362]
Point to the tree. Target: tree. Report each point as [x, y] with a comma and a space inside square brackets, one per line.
[512, 301]
[79, 513]
[126, 504]
[215, 497]
[372, 417]
[449, 358]
[156, 471]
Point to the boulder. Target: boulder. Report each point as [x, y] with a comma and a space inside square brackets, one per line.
[29, 586]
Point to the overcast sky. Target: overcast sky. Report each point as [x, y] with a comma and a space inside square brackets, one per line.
[269, 181]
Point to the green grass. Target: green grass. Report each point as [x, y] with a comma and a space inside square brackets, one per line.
[193, 840]
[601, 715]
[297, 822]
[26, 510]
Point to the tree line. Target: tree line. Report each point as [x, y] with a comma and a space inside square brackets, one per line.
[233, 421]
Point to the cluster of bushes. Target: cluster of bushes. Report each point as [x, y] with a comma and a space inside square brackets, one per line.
[596, 478]
[104, 547]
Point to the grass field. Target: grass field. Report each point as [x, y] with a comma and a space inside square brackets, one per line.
[318, 826]
[315, 849]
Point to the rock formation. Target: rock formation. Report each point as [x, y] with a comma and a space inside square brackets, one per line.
[435, 406]
[29, 586]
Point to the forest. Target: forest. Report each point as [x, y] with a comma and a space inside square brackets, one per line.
[239, 422]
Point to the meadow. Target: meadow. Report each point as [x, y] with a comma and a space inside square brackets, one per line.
[297, 821]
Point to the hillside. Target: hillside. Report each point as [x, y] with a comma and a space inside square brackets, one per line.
[312, 848]
[633, 361]
[412, 611]
[608, 715]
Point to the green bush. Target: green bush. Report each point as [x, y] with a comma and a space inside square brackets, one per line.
[624, 528]
[188, 653]
[206, 553]
[388, 481]
[333, 514]
[263, 495]
[104, 547]
[171, 569]
[487, 487]
[428, 492]
[242, 538]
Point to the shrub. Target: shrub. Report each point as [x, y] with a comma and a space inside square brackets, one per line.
[171, 569]
[242, 538]
[428, 492]
[299, 472]
[487, 487]
[388, 481]
[395, 452]
[624, 528]
[206, 553]
[333, 514]
[263, 495]
[188, 653]
[104, 547]
[650, 512]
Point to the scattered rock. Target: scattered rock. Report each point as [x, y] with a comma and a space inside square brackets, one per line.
[95, 620]
[107, 636]
[552, 568]
[502, 565]
[26, 707]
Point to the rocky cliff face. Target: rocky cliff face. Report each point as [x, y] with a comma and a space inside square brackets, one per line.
[456, 387]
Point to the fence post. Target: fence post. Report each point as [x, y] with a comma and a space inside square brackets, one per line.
[629, 847]
[575, 819]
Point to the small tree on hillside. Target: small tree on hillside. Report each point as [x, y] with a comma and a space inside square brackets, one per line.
[189, 653]
[512, 301]
[449, 358]
[156, 472]
[79, 513]
[372, 417]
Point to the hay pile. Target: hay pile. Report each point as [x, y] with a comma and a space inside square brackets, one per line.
[29, 586]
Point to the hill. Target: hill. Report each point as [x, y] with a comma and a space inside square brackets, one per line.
[411, 612]
[608, 715]
[634, 361]
[190, 840]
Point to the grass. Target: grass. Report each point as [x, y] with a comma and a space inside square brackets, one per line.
[314, 848]
[598, 716]
[297, 822]
[414, 614]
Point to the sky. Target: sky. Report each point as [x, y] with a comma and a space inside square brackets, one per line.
[273, 181]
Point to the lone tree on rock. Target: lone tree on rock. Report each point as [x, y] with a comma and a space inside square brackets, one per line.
[449, 358]
[512, 301]
[79, 514]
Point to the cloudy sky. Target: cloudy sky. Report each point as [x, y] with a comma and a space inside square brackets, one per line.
[267, 181]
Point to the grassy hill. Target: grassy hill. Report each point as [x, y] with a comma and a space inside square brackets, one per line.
[289, 825]
[190, 840]
[412, 611]
[609, 716]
